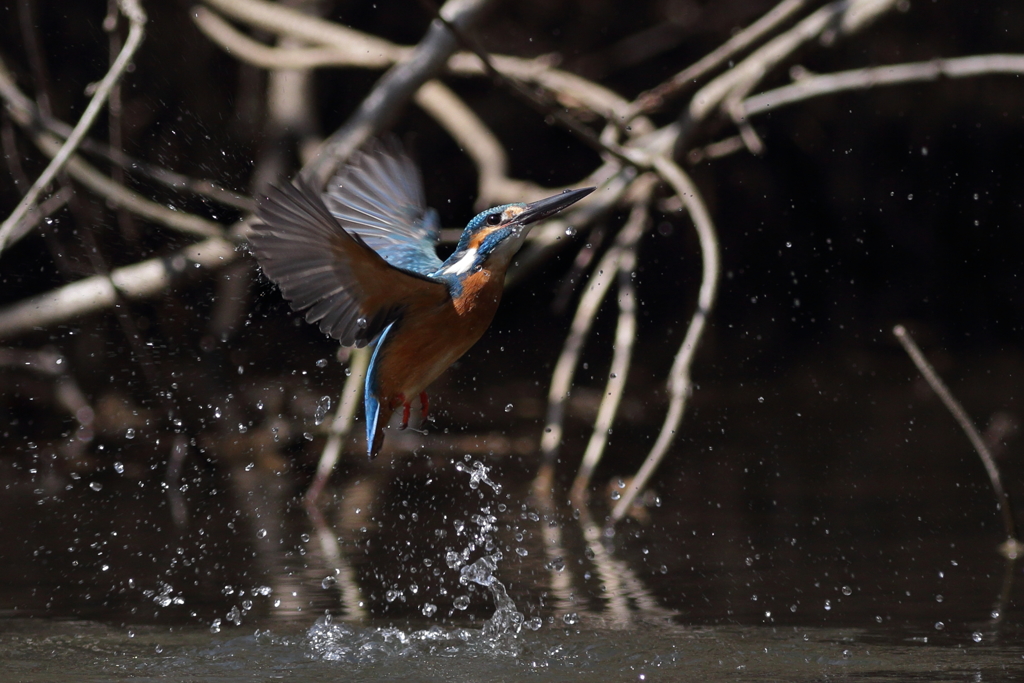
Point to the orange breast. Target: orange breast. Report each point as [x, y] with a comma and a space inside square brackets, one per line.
[425, 343]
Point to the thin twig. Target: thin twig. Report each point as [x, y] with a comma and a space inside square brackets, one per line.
[653, 99]
[894, 74]
[24, 113]
[679, 383]
[342, 423]
[597, 287]
[31, 118]
[1012, 547]
[137, 20]
[844, 16]
[625, 337]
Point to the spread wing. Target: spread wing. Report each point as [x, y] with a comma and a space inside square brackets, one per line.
[341, 283]
[378, 196]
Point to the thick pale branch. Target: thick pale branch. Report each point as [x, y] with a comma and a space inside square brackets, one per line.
[394, 89]
[99, 292]
[331, 50]
[895, 74]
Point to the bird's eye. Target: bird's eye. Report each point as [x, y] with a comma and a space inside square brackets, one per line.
[493, 219]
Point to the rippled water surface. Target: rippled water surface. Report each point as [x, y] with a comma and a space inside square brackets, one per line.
[50, 651]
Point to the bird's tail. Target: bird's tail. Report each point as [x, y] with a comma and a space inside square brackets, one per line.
[377, 416]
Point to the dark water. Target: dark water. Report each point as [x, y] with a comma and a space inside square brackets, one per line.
[794, 534]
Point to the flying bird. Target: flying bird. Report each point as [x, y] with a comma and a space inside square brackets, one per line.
[360, 260]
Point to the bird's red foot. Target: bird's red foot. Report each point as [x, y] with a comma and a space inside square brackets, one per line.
[425, 405]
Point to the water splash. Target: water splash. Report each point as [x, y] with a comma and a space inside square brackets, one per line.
[332, 641]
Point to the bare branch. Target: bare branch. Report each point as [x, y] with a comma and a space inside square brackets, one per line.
[494, 185]
[679, 383]
[1011, 547]
[136, 32]
[625, 336]
[359, 49]
[844, 16]
[331, 49]
[895, 74]
[395, 88]
[24, 113]
[653, 99]
[342, 423]
[96, 293]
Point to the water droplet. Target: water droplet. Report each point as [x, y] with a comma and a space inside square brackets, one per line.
[322, 363]
[616, 495]
[556, 564]
[322, 406]
[508, 408]
[760, 399]
[96, 486]
[939, 626]
[789, 245]
[392, 595]
[262, 533]
[522, 552]
[828, 605]
[428, 610]
[248, 468]
[217, 412]
[570, 231]
[242, 429]
[329, 581]
[534, 624]
[129, 433]
[976, 636]
[462, 602]
[939, 598]
[119, 467]
[361, 323]
[570, 619]
[847, 590]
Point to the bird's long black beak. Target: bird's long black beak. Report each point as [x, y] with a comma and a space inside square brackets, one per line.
[542, 208]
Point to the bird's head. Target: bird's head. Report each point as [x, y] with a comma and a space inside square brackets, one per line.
[496, 234]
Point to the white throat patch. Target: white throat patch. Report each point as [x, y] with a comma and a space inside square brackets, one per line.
[462, 265]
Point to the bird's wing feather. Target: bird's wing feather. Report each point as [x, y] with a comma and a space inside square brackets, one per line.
[342, 284]
[378, 195]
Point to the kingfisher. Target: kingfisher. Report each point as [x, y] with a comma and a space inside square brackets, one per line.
[360, 259]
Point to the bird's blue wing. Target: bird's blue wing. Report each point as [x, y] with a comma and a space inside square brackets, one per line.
[378, 196]
[345, 287]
